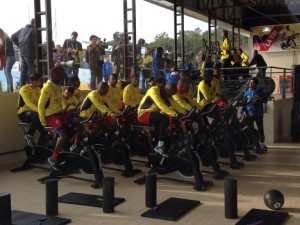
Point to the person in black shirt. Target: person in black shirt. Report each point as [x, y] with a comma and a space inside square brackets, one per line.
[259, 61]
[72, 52]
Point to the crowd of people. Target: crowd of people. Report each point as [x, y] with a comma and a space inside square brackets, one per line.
[169, 93]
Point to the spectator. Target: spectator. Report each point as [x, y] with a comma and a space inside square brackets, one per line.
[107, 69]
[94, 62]
[244, 57]
[25, 39]
[171, 73]
[245, 62]
[158, 63]
[118, 58]
[72, 52]
[7, 58]
[256, 111]
[147, 66]
[260, 63]
[225, 49]
[57, 55]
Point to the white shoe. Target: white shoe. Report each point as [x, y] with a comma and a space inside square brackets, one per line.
[160, 150]
[29, 139]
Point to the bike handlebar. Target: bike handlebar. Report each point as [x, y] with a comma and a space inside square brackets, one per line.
[188, 115]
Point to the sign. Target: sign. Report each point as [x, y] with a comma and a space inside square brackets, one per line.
[285, 37]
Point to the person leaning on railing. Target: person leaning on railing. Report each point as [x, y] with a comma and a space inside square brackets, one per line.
[260, 62]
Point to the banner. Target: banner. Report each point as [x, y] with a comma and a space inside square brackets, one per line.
[285, 37]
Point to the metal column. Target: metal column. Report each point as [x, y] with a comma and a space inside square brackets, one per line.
[44, 63]
[129, 54]
[178, 16]
[212, 34]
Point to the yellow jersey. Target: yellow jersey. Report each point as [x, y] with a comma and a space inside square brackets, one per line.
[28, 99]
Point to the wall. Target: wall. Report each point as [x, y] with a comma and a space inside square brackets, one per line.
[11, 135]
[281, 59]
[277, 120]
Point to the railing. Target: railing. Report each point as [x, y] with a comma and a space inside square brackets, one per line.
[280, 87]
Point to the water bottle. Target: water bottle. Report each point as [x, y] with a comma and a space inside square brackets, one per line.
[141, 80]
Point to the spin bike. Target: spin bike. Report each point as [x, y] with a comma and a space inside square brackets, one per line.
[177, 161]
[114, 147]
[39, 153]
[72, 162]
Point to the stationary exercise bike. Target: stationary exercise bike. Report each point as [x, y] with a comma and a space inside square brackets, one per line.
[39, 153]
[90, 162]
[180, 158]
[249, 129]
[114, 147]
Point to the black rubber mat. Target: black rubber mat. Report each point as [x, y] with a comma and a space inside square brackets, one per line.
[86, 199]
[263, 217]
[27, 218]
[171, 209]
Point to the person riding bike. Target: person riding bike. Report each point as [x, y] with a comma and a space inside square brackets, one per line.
[153, 110]
[28, 107]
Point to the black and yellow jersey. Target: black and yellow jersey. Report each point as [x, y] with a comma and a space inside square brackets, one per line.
[175, 106]
[153, 102]
[225, 49]
[115, 97]
[50, 101]
[96, 102]
[69, 104]
[77, 93]
[28, 99]
[216, 86]
[206, 94]
[131, 96]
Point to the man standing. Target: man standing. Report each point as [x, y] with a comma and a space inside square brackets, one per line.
[158, 63]
[259, 61]
[256, 111]
[25, 39]
[72, 52]
[93, 53]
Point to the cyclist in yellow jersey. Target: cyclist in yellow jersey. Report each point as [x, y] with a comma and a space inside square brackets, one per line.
[115, 94]
[28, 106]
[75, 83]
[183, 98]
[170, 91]
[120, 86]
[51, 112]
[69, 101]
[206, 94]
[153, 110]
[131, 93]
[97, 100]
[216, 81]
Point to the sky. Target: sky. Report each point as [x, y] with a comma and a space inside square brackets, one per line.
[99, 17]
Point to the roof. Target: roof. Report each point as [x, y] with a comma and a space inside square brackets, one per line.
[240, 13]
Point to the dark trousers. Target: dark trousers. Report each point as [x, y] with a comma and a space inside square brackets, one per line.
[94, 78]
[27, 68]
[160, 122]
[33, 119]
[260, 127]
